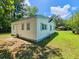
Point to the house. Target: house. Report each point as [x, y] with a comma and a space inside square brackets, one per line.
[33, 28]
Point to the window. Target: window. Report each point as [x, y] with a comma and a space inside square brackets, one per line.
[43, 26]
[28, 26]
[22, 27]
[50, 27]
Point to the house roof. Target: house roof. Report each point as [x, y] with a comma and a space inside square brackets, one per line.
[27, 17]
[35, 16]
[41, 16]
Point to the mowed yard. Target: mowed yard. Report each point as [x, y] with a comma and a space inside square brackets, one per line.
[64, 40]
[68, 43]
[5, 35]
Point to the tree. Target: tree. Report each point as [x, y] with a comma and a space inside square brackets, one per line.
[6, 7]
[9, 10]
[12, 10]
[31, 11]
[18, 11]
[73, 23]
[59, 22]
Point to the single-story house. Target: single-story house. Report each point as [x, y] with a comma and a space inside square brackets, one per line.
[33, 28]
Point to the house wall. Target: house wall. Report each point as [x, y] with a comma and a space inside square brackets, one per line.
[29, 34]
[44, 33]
[52, 23]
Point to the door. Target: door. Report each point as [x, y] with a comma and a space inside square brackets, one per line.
[14, 29]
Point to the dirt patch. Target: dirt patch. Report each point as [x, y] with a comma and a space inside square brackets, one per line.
[12, 43]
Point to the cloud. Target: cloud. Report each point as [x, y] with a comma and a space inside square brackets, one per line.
[27, 2]
[74, 8]
[61, 11]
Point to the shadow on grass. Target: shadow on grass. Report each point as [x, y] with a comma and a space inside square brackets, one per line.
[37, 52]
[5, 33]
[45, 41]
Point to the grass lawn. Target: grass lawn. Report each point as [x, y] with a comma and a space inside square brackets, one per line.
[5, 35]
[67, 42]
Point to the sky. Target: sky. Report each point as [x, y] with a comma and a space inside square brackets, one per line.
[63, 8]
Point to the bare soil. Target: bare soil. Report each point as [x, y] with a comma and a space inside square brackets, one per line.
[12, 43]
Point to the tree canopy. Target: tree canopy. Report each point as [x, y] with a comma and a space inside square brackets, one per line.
[73, 22]
[11, 10]
[31, 11]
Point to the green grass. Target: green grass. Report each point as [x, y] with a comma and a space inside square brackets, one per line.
[67, 42]
[5, 35]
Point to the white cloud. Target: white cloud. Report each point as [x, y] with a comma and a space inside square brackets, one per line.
[74, 8]
[61, 11]
[27, 2]
[66, 7]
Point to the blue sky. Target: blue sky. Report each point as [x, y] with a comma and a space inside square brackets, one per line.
[64, 8]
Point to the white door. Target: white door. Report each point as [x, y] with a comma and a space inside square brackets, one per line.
[14, 29]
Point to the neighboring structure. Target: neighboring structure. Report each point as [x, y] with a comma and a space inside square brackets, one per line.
[33, 28]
